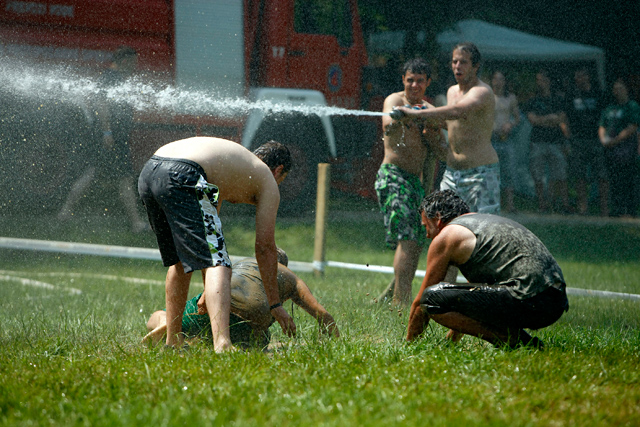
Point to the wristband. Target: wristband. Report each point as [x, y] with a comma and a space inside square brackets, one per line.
[275, 306]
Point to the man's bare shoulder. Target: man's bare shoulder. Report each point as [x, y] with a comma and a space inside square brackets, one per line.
[394, 100]
[453, 90]
[456, 240]
[482, 89]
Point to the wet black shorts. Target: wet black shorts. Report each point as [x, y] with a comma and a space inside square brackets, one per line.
[181, 206]
[495, 306]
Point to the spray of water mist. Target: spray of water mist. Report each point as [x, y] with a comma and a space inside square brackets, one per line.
[68, 85]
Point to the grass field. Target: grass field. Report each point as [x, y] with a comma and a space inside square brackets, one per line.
[70, 350]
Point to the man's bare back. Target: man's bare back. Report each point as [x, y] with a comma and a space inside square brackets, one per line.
[227, 165]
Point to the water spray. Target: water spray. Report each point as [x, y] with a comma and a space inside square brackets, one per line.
[143, 94]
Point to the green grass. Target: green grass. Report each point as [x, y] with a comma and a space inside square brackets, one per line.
[75, 359]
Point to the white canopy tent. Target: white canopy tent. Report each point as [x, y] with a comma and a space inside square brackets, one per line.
[500, 44]
[505, 44]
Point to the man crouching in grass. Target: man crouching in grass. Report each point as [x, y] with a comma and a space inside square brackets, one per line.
[515, 282]
[250, 317]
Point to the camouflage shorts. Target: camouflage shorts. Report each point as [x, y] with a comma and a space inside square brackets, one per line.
[478, 187]
[399, 195]
[208, 198]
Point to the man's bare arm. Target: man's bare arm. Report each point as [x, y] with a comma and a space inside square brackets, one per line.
[548, 120]
[625, 133]
[305, 299]
[452, 246]
[477, 98]
[437, 264]
[388, 124]
[266, 252]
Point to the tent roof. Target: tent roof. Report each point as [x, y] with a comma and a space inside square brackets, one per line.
[499, 44]
[502, 43]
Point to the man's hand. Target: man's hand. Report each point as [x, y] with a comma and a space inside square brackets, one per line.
[606, 141]
[417, 321]
[328, 325]
[202, 305]
[404, 113]
[285, 321]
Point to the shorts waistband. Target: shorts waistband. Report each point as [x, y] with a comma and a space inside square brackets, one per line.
[477, 169]
[185, 161]
[398, 170]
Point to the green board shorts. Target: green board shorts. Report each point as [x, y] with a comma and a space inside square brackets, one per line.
[196, 325]
[399, 195]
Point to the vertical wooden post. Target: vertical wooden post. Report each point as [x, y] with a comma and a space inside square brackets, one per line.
[324, 174]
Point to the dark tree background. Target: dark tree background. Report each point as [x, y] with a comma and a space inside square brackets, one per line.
[611, 25]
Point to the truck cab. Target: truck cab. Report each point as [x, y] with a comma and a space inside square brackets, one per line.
[215, 53]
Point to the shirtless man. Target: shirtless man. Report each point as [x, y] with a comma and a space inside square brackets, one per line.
[399, 183]
[250, 318]
[182, 187]
[472, 163]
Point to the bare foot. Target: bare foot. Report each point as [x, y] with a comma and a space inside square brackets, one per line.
[454, 336]
[155, 336]
[224, 348]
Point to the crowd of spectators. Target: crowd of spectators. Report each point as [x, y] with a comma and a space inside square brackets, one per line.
[584, 145]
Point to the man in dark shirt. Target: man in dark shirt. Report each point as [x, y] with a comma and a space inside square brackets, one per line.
[586, 161]
[515, 283]
[545, 112]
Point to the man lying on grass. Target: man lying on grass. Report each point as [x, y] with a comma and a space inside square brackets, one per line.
[515, 282]
[250, 316]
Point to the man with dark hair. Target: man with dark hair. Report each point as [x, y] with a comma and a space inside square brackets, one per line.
[250, 318]
[618, 133]
[182, 187]
[399, 182]
[472, 163]
[515, 282]
[547, 148]
[586, 162]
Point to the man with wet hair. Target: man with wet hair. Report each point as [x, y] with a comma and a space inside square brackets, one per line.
[250, 317]
[514, 281]
[182, 187]
[472, 163]
[400, 180]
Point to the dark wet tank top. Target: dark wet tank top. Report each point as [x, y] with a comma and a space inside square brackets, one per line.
[506, 253]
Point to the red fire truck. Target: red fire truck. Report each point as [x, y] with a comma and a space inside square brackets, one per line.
[300, 52]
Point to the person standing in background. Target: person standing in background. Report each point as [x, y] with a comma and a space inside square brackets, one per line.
[618, 135]
[507, 118]
[547, 144]
[586, 159]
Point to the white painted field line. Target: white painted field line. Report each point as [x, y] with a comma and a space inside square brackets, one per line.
[135, 280]
[38, 284]
[154, 254]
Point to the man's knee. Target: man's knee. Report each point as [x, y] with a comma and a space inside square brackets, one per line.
[432, 299]
[157, 318]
